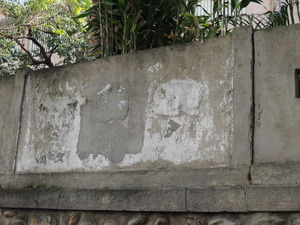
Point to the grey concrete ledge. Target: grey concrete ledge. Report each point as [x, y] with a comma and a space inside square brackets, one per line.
[131, 179]
[275, 173]
[19, 198]
[250, 198]
[95, 199]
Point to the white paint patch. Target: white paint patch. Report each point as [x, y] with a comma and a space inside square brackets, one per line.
[120, 90]
[122, 104]
[91, 163]
[60, 88]
[68, 88]
[52, 131]
[158, 66]
[178, 96]
[184, 124]
[104, 93]
[105, 90]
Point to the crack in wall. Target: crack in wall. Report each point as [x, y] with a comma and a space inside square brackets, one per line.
[253, 97]
[252, 119]
[245, 198]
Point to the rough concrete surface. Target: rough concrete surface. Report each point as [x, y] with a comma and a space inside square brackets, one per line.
[127, 199]
[276, 173]
[277, 121]
[18, 198]
[131, 179]
[172, 107]
[249, 198]
[216, 199]
[242, 96]
[273, 198]
[11, 92]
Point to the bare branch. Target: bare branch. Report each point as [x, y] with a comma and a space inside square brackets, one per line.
[41, 47]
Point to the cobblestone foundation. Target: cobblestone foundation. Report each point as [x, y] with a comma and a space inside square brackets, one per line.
[46, 217]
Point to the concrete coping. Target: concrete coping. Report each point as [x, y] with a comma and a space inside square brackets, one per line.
[249, 198]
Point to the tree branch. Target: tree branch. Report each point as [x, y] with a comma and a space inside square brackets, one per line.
[21, 45]
[53, 49]
[41, 47]
[46, 61]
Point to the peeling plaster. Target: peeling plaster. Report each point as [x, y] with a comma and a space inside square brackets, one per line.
[185, 121]
[52, 132]
[181, 125]
[173, 126]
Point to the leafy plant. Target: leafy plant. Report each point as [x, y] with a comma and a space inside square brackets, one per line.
[119, 26]
[288, 13]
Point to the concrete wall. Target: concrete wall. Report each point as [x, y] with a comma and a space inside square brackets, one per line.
[277, 120]
[202, 127]
[277, 126]
[11, 92]
[175, 106]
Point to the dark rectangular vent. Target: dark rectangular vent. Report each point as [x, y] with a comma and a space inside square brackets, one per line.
[297, 83]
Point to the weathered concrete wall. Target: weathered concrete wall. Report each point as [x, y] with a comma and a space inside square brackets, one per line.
[11, 92]
[203, 127]
[277, 120]
[181, 106]
[277, 124]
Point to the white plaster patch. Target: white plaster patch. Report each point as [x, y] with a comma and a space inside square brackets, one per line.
[104, 93]
[178, 96]
[98, 162]
[52, 131]
[183, 124]
[120, 89]
[158, 66]
[122, 104]
[105, 90]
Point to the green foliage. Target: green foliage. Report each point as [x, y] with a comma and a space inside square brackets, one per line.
[49, 26]
[120, 26]
[288, 13]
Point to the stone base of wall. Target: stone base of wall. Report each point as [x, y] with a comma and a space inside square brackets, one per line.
[249, 198]
[46, 217]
